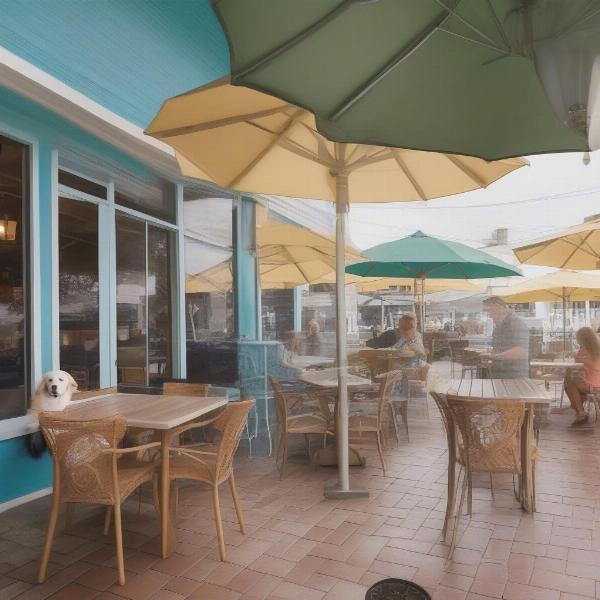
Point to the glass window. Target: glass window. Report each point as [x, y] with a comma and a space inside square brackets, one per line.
[81, 184]
[78, 291]
[14, 372]
[143, 303]
[159, 305]
[131, 301]
[209, 304]
[156, 201]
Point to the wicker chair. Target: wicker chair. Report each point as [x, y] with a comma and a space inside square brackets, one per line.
[308, 419]
[90, 467]
[176, 388]
[213, 463]
[488, 440]
[369, 419]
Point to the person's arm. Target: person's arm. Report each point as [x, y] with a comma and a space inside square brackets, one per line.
[418, 348]
[520, 338]
[514, 353]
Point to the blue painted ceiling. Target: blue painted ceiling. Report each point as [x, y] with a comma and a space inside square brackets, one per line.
[127, 55]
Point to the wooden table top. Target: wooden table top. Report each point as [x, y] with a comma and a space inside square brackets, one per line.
[150, 411]
[392, 351]
[528, 390]
[558, 364]
[328, 378]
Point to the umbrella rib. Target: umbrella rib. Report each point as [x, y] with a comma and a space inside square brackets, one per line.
[577, 247]
[299, 37]
[404, 53]
[405, 170]
[473, 41]
[466, 170]
[207, 125]
[471, 27]
[265, 150]
[498, 24]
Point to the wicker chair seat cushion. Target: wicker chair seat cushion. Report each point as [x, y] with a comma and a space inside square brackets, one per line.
[307, 423]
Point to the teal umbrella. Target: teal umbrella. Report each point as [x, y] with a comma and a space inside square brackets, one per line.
[422, 257]
[486, 78]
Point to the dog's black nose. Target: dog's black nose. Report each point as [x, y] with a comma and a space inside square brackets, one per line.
[53, 388]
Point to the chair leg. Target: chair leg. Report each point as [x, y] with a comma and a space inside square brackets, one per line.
[404, 411]
[395, 423]
[119, 543]
[218, 522]
[156, 494]
[236, 503]
[379, 445]
[470, 495]
[107, 519]
[492, 486]
[175, 497]
[49, 536]
[458, 514]
[283, 458]
[307, 444]
[533, 501]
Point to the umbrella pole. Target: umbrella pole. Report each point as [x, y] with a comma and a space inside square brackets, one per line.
[342, 488]
[564, 311]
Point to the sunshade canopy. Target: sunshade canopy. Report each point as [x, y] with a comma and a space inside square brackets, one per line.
[288, 256]
[577, 247]
[424, 257]
[493, 78]
[552, 287]
[253, 142]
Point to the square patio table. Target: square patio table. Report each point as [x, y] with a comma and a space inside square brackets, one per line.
[151, 411]
[527, 390]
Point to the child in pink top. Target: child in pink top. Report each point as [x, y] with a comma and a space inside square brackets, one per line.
[578, 383]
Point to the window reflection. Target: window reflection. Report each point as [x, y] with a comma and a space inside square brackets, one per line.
[78, 292]
[131, 301]
[13, 277]
[159, 305]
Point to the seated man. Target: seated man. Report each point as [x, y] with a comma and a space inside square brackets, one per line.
[510, 341]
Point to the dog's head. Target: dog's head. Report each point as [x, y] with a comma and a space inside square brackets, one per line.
[56, 384]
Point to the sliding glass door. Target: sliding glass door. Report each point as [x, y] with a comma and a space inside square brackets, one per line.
[14, 305]
[79, 311]
[143, 302]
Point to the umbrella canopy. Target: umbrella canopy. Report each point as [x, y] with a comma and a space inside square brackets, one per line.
[253, 142]
[561, 285]
[424, 257]
[489, 79]
[288, 256]
[577, 247]
[246, 140]
[377, 284]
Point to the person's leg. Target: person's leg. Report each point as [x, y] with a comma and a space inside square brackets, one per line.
[577, 389]
[570, 389]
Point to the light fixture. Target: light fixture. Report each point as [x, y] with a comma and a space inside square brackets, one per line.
[8, 230]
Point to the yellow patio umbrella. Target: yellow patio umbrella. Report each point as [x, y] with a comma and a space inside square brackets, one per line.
[564, 285]
[249, 141]
[577, 247]
[288, 256]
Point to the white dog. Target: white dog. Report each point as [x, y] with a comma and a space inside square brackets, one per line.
[53, 392]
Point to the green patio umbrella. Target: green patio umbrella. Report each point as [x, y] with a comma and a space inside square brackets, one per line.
[422, 257]
[486, 78]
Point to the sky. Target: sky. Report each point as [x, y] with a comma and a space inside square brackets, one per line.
[553, 192]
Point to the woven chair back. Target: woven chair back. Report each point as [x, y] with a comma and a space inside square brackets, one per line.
[391, 384]
[489, 433]
[230, 425]
[175, 388]
[280, 404]
[442, 404]
[82, 467]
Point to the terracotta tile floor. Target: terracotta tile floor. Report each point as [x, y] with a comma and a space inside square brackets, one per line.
[301, 546]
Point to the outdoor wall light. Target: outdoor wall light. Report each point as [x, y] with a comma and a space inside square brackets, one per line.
[8, 230]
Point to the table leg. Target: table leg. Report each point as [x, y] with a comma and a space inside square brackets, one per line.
[451, 478]
[169, 540]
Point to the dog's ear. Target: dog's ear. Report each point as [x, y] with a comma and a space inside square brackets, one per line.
[72, 383]
[40, 386]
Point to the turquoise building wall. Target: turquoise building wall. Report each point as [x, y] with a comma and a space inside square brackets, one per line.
[126, 55]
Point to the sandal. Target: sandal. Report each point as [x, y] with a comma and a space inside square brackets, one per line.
[579, 421]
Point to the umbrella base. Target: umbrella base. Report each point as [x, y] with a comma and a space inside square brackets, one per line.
[333, 492]
[327, 457]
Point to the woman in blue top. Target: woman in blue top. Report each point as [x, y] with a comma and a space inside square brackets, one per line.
[409, 339]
